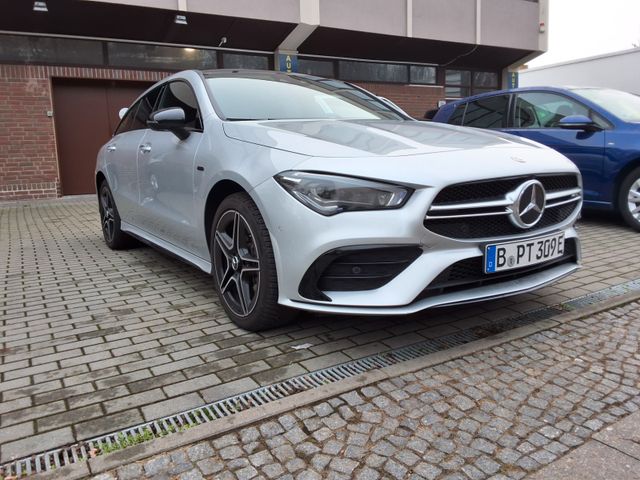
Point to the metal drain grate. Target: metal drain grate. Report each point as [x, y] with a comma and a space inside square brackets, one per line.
[78, 452]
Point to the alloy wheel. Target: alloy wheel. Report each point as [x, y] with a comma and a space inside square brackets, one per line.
[108, 214]
[236, 263]
[633, 199]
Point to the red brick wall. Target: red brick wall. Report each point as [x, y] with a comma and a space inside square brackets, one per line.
[28, 157]
[413, 99]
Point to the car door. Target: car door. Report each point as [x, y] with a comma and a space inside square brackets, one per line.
[122, 156]
[536, 115]
[166, 171]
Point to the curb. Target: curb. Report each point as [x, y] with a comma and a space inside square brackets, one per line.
[245, 418]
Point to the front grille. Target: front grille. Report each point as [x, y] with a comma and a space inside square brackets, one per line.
[482, 209]
[356, 268]
[469, 273]
[485, 190]
[494, 225]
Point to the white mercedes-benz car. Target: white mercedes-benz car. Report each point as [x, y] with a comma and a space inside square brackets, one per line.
[304, 193]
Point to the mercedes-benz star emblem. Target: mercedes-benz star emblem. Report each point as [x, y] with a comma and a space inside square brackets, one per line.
[528, 205]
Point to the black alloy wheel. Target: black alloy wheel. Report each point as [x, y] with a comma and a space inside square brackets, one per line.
[244, 268]
[114, 237]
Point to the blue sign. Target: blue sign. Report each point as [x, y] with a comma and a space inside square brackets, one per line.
[288, 62]
[513, 80]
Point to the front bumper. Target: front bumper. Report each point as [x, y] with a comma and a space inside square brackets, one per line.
[300, 236]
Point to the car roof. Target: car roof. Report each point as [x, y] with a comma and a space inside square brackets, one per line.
[563, 89]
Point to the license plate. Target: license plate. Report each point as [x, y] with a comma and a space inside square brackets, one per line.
[499, 257]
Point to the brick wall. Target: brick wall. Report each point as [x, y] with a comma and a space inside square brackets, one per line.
[413, 99]
[28, 158]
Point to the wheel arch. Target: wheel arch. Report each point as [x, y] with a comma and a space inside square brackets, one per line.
[217, 194]
[624, 171]
[100, 177]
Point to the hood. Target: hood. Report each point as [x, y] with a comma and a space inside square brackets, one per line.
[362, 138]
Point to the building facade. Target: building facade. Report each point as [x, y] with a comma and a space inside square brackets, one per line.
[68, 66]
[619, 70]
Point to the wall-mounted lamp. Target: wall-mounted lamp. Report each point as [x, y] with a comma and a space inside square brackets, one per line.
[181, 19]
[40, 7]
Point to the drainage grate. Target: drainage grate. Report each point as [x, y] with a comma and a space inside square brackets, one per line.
[78, 452]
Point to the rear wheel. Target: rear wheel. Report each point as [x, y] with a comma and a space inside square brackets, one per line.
[629, 199]
[114, 237]
[244, 267]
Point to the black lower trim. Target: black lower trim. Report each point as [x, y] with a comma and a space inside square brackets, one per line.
[354, 268]
[469, 273]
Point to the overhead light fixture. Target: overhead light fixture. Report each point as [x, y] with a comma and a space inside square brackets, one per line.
[40, 7]
[181, 19]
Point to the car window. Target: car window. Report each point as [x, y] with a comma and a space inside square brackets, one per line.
[456, 116]
[138, 114]
[179, 94]
[487, 112]
[545, 110]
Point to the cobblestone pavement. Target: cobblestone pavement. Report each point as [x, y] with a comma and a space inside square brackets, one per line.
[501, 413]
[94, 341]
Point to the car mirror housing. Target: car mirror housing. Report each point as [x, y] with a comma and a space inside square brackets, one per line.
[170, 119]
[578, 122]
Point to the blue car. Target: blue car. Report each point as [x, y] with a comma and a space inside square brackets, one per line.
[597, 128]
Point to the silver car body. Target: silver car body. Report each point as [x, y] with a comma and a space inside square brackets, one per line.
[161, 184]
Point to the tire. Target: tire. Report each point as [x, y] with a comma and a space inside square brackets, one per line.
[114, 237]
[244, 270]
[629, 199]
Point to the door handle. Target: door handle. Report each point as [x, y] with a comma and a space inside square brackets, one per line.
[111, 148]
[145, 148]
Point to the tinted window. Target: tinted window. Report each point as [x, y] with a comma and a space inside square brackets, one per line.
[138, 114]
[421, 74]
[458, 113]
[158, 56]
[488, 112]
[321, 68]
[544, 110]
[237, 60]
[180, 94]
[374, 72]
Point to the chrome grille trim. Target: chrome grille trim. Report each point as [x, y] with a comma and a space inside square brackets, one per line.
[488, 208]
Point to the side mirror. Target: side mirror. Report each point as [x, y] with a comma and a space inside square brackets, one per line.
[122, 112]
[170, 119]
[578, 122]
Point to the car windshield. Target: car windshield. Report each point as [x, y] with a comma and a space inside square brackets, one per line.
[280, 97]
[624, 105]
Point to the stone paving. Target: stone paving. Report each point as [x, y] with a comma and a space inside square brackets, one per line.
[500, 413]
[94, 340]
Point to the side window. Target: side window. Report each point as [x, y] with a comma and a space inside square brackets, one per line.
[145, 107]
[125, 123]
[180, 94]
[456, 116]
[545, 110]
[488, 112]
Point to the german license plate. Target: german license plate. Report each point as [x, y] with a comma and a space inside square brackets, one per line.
[499, 257]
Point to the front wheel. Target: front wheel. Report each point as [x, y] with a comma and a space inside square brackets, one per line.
[629, 199]
[114, 237]
[244, 267]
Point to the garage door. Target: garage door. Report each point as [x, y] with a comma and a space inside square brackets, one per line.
[86, 114]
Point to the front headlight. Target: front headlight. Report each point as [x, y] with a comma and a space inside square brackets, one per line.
[331, 194]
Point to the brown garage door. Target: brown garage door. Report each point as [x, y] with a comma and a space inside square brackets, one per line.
[86, 114]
